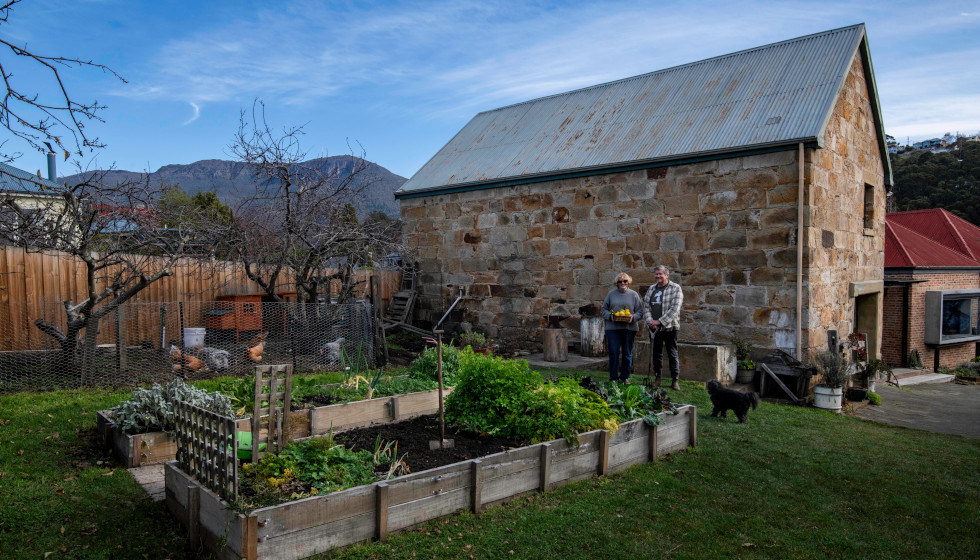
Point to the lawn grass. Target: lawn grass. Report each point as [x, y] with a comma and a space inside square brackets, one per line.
[791, 483]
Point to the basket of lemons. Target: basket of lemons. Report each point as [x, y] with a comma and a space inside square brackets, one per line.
[622, 316]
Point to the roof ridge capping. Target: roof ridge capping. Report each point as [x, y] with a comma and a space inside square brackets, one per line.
[802, 38]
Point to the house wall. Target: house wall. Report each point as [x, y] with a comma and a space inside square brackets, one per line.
[949, 355]
[843, 259]
[726, 227]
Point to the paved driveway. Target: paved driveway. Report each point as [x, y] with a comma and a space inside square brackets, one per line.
[946, 408]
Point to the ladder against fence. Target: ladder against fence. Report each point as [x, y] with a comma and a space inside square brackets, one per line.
[207, 448]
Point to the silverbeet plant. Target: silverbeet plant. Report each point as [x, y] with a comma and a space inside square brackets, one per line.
[152, 409]
[630, 402]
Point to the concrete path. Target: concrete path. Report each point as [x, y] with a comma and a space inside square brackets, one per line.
[151, 478]
[945, 408]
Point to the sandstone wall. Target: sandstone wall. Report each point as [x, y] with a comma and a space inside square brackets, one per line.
[726, 227]
[841, 251]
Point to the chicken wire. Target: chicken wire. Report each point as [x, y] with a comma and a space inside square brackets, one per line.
[156, 342]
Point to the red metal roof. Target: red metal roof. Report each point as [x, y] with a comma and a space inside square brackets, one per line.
[930, 238]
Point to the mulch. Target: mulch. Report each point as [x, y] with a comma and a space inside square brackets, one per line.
[413, 437]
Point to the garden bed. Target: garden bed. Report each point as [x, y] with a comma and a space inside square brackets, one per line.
[302, 528]
[134, 450]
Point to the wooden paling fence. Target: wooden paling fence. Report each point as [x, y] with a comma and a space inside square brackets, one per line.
[207, 448]
[33, 286]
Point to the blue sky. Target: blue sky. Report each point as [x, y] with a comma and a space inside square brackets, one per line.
[401, 78]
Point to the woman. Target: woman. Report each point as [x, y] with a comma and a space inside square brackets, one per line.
[620, 334]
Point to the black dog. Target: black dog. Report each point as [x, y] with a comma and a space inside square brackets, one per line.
[726, 399]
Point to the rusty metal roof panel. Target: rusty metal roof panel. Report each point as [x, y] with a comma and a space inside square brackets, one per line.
[772, 95]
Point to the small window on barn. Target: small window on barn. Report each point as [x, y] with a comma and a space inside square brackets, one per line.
[869, 207]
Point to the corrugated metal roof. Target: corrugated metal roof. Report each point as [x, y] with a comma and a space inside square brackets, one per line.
[16, 180]
[933, 237]
[757, 99]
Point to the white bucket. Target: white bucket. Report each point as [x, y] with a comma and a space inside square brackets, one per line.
[194, 337]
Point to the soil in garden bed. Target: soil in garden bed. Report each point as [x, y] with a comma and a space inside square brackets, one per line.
[413, 437]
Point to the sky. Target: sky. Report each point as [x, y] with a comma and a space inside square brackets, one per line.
[393, 81]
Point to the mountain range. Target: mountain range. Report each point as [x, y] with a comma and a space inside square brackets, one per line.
[230, 180]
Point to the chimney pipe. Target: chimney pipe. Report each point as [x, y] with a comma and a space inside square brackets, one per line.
[52, 164]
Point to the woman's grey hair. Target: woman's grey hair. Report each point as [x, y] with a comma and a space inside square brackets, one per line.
[662, 268]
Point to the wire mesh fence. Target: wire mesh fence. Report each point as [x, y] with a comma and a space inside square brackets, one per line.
[156, 342]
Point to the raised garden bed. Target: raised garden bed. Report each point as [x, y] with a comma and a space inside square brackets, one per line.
[159, 447]
[319, 524]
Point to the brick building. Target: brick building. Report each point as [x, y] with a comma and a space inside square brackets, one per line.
[532, 209]
[932, 288]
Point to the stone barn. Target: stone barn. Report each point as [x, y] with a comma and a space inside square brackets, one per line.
[758, 177]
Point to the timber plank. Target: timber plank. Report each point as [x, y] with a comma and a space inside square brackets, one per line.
[514, 483]
[318, 539]
[316, 511]
[406, 515]
[416, 486]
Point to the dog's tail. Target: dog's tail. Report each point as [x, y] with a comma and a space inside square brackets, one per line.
[753, 399]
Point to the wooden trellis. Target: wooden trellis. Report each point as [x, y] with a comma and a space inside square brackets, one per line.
[271, 408]
[207, 448]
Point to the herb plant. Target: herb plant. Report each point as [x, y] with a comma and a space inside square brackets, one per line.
[152, 409]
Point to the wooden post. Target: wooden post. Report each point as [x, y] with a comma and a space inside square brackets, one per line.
[555, 345]
[250, 538]
[603, 452]
[693, 426]
[545, 466]
[476, 467]
[654, 443]
[120, 338]
[193, 517]
[442, 419]
[381, 511]
[394, 408]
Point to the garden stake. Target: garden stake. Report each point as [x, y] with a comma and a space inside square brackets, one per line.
[443, 443]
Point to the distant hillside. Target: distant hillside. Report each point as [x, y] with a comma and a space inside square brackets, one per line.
[229, 180]
[949, 180]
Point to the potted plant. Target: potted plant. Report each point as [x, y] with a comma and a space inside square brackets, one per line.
[745, 367]
[836, 370]
[476, 341]
[869, 375]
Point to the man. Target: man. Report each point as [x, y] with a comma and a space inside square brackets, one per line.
[662, 311]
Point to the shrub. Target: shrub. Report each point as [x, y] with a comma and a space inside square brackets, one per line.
[874, 398]
[152, 409]
[742, 348]
[489, 391]
[475, 340]
[836, 369]
[746, 364]
[426, 365]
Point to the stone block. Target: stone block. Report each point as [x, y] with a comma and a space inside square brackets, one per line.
[781, 195]
[769, 238]
[746, 258]
[698, 362]
[727, 239]
[681, 205]
[750, 296]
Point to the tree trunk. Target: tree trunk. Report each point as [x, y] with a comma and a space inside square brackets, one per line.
[555, 345]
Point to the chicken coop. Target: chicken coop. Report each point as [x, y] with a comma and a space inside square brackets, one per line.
[240, 316]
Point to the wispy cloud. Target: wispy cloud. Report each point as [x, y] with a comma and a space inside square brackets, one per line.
[194, 117]
[452, 59]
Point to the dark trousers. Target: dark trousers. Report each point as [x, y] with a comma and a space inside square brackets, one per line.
[620, 343]
[669, 339]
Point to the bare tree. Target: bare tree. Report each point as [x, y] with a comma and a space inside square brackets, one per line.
[37, 117]
[116, 232]
[300, 225]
